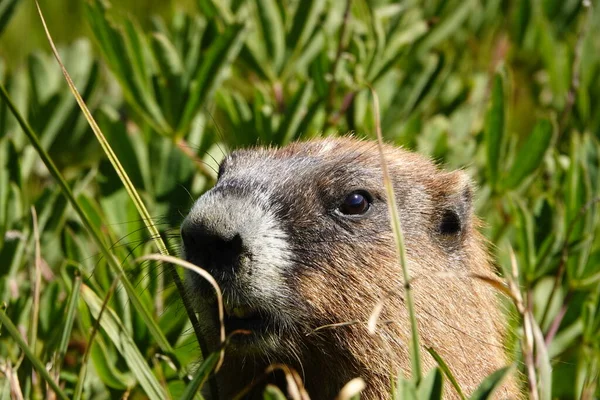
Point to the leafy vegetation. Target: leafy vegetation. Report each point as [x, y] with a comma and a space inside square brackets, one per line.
[504, 89]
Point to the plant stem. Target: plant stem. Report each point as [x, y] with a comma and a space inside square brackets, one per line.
[399, 238]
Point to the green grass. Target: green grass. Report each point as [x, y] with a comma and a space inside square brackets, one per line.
[506, 90]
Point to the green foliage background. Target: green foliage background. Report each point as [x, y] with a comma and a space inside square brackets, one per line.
[507, 90]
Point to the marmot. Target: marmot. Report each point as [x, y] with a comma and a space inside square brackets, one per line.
[299, 237]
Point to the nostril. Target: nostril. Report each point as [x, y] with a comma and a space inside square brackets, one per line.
[235, 245]
[210, 249]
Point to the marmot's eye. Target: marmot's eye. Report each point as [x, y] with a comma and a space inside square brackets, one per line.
[354, 204]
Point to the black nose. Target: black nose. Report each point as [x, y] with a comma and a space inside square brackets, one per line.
[211, 250]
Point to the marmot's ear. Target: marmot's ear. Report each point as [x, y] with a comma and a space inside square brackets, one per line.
[454, 205]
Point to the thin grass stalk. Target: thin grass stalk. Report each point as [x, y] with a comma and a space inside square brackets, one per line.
[69, 319]
[37, 282]
[35, 362]
[139, 204]
[399, 239]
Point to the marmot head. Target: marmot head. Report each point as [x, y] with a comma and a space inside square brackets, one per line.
[300, 237]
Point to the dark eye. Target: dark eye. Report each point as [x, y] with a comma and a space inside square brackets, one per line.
[355, 204]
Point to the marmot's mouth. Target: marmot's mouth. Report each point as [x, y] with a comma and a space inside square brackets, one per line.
[244, 318]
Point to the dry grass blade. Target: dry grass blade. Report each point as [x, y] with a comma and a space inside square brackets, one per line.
[203, 273]
[374, 317]
[513, 283]
[352, 389]
[495, 283]
[526, 313]
[13, 381]
[296, 389]
[397, 231]
[335, 325]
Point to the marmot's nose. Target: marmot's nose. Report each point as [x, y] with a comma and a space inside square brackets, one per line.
[211, 249]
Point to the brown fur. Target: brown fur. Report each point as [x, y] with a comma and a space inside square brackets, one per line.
[347, 272]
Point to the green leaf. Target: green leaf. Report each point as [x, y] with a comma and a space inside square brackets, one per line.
[125, 344]
[124, 53]
[4, 188]
[431, 387]
[525, 235]
[212, 9]
[489, 384]
[251, 61]
[405, 389]
[273, 393]
[201, 375]
[217, 58]
[494, 131]
[273, 32]
[521, 20]
[305, 22]
[167, 55]
[106, 370]
[7, 7]
[68, 322]
[394, 47]
[448, 26]
[447, 372]
[192, 59]
[288, 130]
[531, 154]
[430, 70]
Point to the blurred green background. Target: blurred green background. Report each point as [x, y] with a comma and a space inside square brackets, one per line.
[507, 90]
[66, 21]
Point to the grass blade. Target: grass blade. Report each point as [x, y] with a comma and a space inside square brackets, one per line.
[543, 360]
[4, 189]
[446, 370]
[431, 387]
[447, 27]
[117, 332]
[273, 32]
[288, 129]
[123, 51]
[415, 355]
[305, 22]
[7, 8]
[489, 384]
[216, 59]
[68, 324]
[36, 278]
[12, 330]
[200, 377]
